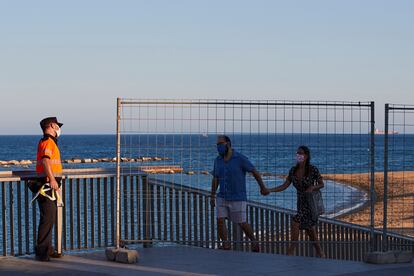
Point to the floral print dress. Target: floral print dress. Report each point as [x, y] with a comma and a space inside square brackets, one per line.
[304, 213]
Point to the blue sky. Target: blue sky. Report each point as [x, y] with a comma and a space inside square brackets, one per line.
[73, 58]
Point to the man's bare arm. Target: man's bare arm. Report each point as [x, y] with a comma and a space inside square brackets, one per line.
[258, 177]
[48, 171]
[214, 186]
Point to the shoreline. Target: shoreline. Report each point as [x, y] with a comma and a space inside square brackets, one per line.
[400, 199]
[350, 207]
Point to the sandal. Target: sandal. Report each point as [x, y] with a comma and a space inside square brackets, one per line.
[224, 247]
[255, 248]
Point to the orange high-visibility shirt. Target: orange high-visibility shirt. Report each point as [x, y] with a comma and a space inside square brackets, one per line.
[48, 148]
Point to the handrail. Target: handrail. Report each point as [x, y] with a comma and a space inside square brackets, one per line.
[67, 173]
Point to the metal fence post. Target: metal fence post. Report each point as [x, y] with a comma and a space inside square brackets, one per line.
[384, 228]
[118, 170]
[59, 221]
[373, 196]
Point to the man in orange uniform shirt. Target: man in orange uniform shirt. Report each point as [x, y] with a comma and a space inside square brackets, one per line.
[49, 170]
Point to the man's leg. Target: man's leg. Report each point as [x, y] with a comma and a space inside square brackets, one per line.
[238, 215]
[222, 214]
[247, 229]
[47, 220]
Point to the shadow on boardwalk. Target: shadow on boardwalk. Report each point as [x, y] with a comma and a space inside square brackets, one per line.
[196, 261]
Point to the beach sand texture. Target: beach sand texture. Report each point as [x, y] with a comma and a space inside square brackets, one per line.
[400, 210]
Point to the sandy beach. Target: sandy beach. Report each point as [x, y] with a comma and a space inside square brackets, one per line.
[400, 199]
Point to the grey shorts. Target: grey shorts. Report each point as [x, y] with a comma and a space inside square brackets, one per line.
[233, 210]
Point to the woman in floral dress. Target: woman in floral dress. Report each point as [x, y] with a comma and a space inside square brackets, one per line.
[306, 179]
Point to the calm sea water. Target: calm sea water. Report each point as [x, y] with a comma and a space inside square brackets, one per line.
[270, 153]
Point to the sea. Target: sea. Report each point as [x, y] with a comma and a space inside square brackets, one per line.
[272, 154]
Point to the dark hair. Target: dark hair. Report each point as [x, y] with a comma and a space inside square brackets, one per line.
[225, 138]
[306, 150]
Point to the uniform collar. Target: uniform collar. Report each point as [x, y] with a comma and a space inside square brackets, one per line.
[47, 136]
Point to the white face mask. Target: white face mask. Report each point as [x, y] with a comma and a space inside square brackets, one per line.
[300, 158]
[58, 132]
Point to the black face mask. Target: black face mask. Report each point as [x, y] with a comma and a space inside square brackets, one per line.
[222, 149]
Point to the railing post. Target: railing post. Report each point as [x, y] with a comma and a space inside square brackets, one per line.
[146, 210]
[372, 177]
[78, 211]
[384, 228]
[3, 217]
[19, 218]
[71, 214]
[26, 217]
[11, 217]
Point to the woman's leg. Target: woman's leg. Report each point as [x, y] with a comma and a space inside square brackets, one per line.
[294, 233]
[313, 236]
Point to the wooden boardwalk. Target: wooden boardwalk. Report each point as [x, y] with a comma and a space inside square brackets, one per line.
[195, 261]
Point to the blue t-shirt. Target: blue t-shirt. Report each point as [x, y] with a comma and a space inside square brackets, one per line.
[231, 176]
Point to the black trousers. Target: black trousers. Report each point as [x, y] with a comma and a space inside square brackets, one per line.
[48, 211]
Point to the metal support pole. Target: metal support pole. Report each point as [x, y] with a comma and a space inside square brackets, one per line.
[118, 171]
[59, 221]
[384, 227]
[373, 197]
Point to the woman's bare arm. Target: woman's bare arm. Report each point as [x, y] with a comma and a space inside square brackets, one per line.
[282, 187]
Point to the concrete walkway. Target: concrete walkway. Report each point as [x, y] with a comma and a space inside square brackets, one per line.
[196, 261]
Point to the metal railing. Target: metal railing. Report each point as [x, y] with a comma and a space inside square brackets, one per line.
[161, 211]
[183, 215]
[89, 210]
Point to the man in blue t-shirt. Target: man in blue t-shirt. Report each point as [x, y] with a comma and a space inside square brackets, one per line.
[229, 173]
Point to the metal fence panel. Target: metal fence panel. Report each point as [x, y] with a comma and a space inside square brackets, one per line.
[397, 205]
[174, 141]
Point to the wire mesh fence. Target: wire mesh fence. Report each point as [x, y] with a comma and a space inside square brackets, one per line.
[175, 142]
[397, 205]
